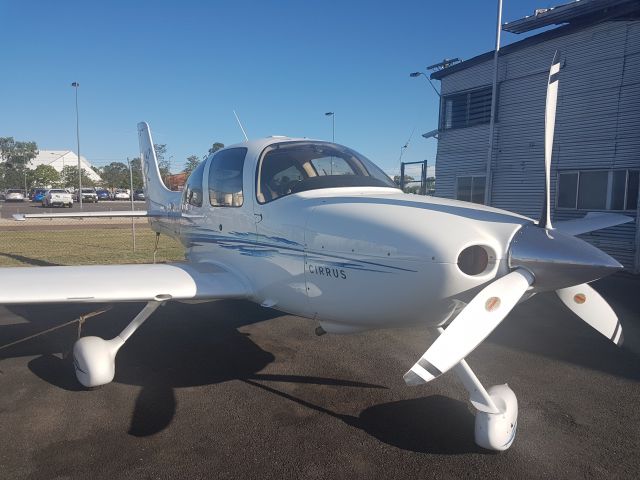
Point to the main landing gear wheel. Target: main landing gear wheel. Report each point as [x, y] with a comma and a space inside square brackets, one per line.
[94, 359]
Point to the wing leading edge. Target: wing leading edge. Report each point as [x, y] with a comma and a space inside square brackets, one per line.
[118, 283]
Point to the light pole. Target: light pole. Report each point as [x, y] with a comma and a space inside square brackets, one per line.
[76, 85]
[333, 125]
[417, 74]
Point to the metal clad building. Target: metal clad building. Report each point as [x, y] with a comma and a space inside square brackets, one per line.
[596, 156]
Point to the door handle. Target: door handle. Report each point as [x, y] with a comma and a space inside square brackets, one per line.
[257, 217]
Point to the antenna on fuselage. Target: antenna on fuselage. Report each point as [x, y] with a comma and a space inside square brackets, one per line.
[241, 128]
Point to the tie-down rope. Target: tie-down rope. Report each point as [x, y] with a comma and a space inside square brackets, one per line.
[80, 321]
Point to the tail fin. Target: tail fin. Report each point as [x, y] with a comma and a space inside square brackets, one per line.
[158, 196]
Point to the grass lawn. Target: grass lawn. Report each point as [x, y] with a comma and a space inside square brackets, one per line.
[90, 245]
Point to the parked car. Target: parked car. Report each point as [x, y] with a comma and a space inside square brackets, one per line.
[38, 194]
[138, 195]
[57, 196]
[103, 194]
[121, 194]
[89, 195]
[14, 195]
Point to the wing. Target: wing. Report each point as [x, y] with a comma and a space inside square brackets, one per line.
[118, 283]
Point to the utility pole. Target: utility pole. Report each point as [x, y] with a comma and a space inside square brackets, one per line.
[488, 180]
[76, 85]
[133, 220]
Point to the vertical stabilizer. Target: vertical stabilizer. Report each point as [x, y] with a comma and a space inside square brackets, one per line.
[158, 196]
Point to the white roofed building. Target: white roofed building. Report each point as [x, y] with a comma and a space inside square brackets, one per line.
[58, 159]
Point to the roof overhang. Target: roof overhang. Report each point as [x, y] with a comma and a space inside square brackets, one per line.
[574, 16]
[580, 10]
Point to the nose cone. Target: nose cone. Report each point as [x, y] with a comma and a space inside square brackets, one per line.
[558, 260]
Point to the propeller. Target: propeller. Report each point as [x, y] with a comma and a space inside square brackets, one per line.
[474, 323]
[585, 302]
[542, 259]
[549, 130]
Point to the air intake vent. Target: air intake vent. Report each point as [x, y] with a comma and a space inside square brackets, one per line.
[476, 260]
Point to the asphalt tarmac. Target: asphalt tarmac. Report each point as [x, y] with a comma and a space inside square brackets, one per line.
[232, 390]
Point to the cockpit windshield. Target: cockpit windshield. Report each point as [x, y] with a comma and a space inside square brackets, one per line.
[292, 167]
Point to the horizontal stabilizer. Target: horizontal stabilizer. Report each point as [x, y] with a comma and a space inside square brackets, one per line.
[592, 221]
[21, 217]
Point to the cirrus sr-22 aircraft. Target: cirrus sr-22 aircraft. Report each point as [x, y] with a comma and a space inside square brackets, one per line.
[315, 229]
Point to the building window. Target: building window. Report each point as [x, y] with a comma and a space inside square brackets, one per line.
[471, 189]
[225, 178]
[598, 190]
[466, 109]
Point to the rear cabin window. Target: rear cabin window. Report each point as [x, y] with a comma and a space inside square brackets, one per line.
[225, 178]
[193, 191]
[292, 167]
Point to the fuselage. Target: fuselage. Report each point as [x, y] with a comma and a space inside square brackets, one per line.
[351, 257]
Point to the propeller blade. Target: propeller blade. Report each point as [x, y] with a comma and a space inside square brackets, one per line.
[549, 129]
[590, 222]
[474, 323]
[586, 303]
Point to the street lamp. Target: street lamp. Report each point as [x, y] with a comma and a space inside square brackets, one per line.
[76, 85]
[417, 74]
[333, 125]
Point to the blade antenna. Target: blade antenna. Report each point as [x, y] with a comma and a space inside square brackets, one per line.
[549, 128]
[241, 128]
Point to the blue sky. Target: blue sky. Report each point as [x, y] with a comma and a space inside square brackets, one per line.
[185, 66]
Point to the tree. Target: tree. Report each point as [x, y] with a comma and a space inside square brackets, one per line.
[431, 185]
[115, 175]
[164, 165]
[18, 154]
[192, 163]
[214, 148]
[407, 179]
[136, 169]
[15, 156]
[43, 176]
[69, 177]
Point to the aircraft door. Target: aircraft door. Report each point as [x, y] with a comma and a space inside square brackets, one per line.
[226, 219]
[279, 234]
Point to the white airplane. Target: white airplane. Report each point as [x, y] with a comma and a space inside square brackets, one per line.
[316, 230]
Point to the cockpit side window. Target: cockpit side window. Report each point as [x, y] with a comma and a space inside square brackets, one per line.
[291, 167]
[225, 178]
[193, 191]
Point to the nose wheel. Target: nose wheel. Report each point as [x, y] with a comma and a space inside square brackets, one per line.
[497, 407]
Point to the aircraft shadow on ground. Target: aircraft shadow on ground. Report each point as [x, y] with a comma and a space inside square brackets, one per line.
[179, 346]
[29, 260]
[434, 424]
